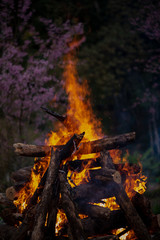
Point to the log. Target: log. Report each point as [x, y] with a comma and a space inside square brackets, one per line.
[4, 201]
[94, 211]
[52, 213]
[101, 221]
[27, 223]
[21, 175]
[67, 151]
[92, 192]
[46, 199]
[143, 207]
[26, 226]
[133, 218]
[11, 193]
[75, 225]
[107, 143]
[99, 226]
[105, 175]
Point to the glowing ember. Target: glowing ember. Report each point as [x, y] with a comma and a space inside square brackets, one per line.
[126, 236]
[60, 221]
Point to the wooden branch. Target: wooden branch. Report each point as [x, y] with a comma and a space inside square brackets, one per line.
[40, 218]
[133, 218]
[99, 145]
[61, 118]
[75, 225]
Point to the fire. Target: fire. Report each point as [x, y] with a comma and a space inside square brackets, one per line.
[127, 234]
[28, 190]
[80, 118]
[60, 221]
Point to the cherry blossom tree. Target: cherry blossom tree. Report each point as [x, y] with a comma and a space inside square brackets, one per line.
[28, 61]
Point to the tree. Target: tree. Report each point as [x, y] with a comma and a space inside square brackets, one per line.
[147, 22]
[29, 61]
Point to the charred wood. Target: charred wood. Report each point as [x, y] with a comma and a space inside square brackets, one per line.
[27, 225]
[133, 218]
[109, 237]
[75, 225]
[42, 208]
[59, 117]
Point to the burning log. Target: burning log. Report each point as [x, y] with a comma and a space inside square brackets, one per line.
[102, 226]
[48, 180]
[134, 220]
[42, 208]
[86, 147]
[75, 225]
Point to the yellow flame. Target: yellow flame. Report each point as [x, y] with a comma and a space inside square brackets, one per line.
[60, 221]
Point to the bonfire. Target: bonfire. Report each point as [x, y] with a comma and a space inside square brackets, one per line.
[81, 185]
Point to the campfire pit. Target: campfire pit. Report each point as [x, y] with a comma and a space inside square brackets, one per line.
[78, 187]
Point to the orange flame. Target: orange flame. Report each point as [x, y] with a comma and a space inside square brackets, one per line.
[60, 221]
[28, 190]
[80, 118]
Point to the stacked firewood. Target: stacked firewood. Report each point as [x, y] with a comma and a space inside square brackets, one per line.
[54, 192]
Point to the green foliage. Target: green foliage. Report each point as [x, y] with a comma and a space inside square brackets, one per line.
[151, 167]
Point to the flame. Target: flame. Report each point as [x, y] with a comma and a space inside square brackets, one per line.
[126, 236]
[28, 190]
[80, 118]
[60, 221]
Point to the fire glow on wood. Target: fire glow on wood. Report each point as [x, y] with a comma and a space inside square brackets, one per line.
[80, 117]
[90, 168]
